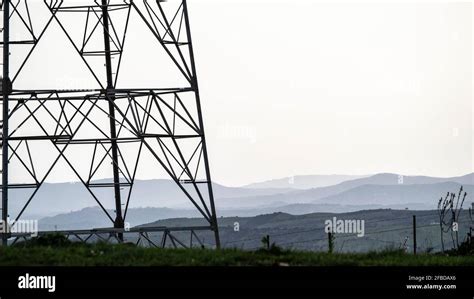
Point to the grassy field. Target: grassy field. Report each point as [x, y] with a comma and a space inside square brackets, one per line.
[129, 255]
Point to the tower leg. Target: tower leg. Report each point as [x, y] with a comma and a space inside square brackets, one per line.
[110, 95]
[6, 89]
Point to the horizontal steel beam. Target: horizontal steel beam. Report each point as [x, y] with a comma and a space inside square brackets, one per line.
[111, 230]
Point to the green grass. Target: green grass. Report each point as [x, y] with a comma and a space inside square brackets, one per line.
[129, 255]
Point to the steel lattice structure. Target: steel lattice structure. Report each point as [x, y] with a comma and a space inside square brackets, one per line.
[113, 123]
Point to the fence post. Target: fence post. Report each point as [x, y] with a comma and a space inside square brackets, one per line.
[330, 242]
[414, 234]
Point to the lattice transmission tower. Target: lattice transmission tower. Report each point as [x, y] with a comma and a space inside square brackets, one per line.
[135, 102]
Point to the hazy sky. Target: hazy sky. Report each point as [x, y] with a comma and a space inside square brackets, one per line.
[314, 87]
[335, 88]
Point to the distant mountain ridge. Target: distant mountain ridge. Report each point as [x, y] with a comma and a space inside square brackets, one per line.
[94, 217]
[56, 198]
[304, 181]
[397, 179]
[427, 194]
[414, 192]
[324, 194]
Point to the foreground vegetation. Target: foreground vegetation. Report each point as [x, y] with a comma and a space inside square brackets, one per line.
[64, 253]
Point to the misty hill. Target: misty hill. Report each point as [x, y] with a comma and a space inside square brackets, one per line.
[305, 181]
[57, 198]
[94, 217]
[394, 179]
[388, 179]
[325, 194]
[415, 193]
[426, 194]
[383, 228]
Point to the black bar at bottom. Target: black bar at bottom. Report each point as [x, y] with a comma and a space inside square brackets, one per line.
[242, 282]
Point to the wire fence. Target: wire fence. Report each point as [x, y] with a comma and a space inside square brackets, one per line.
[428, 236]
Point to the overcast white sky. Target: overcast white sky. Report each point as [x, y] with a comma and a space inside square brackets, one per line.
[314, 87]
[335, 88]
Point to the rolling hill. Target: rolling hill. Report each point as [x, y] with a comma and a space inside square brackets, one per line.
[408, 192]
[304, 181]
[57, 198]
[377, 191]
[384, 228]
